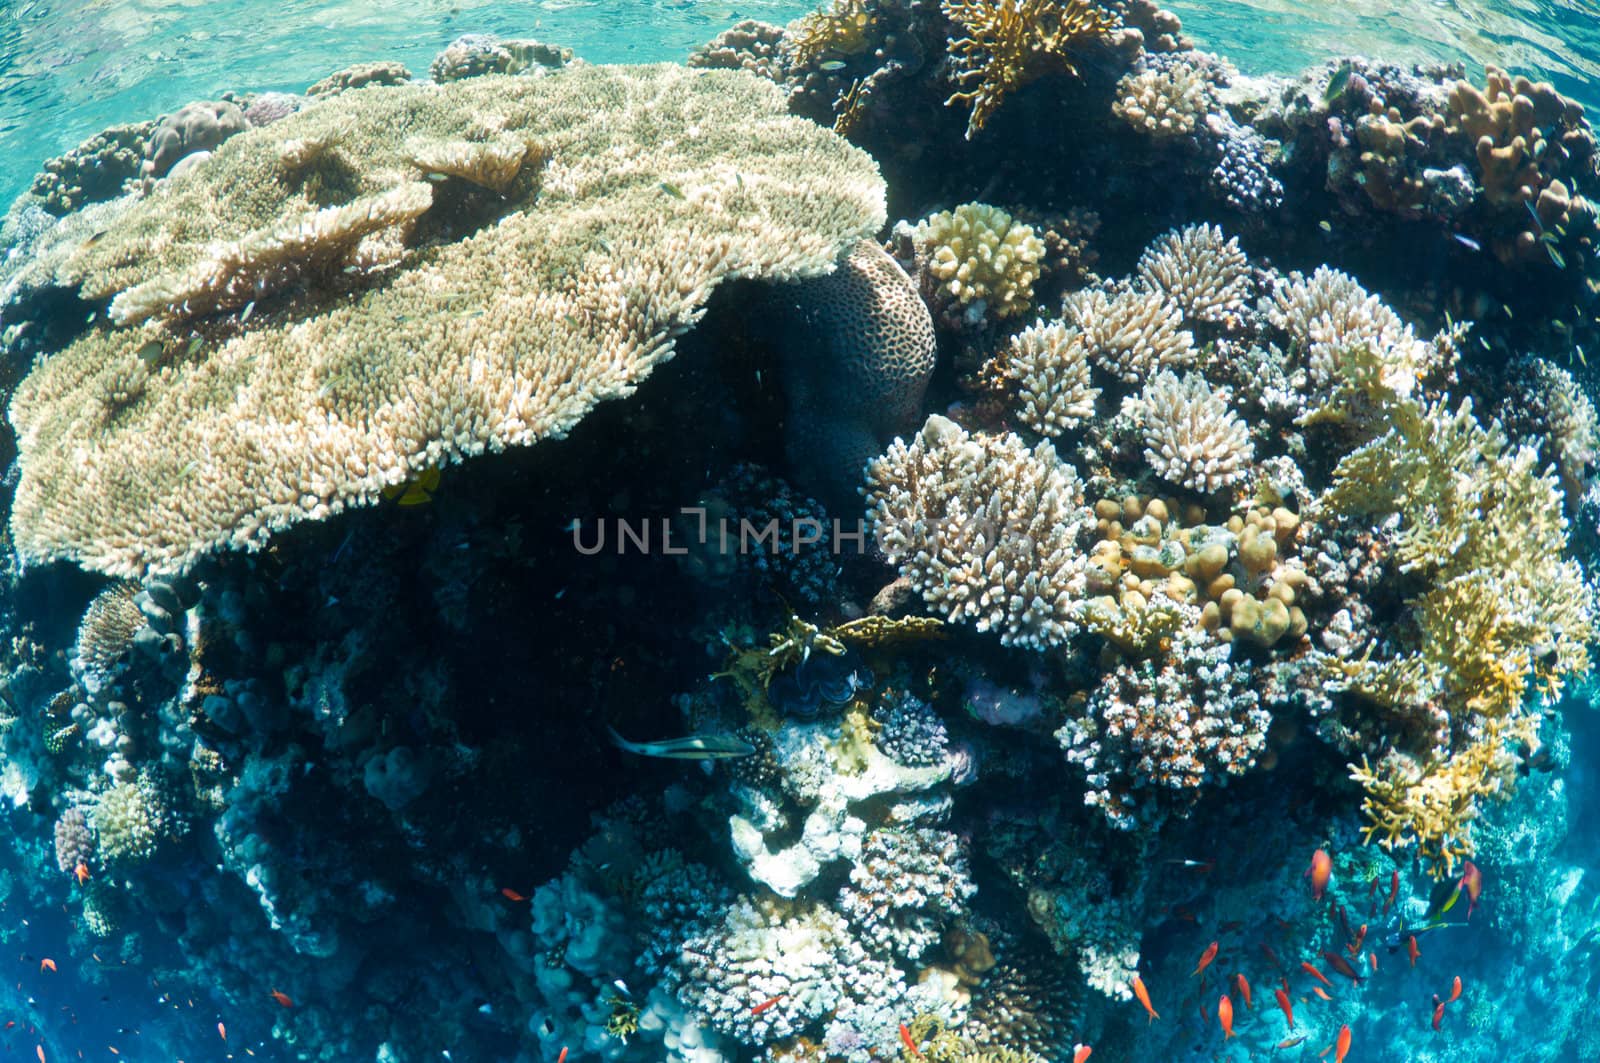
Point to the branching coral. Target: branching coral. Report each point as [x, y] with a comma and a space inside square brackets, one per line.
[1168, 98]
[980, 259]
[1009, 43]
[1191, 436]
[842, 29]
[1132, 333]
[1199, 269]
[985, 528]
[503, 336]
[1049, 364]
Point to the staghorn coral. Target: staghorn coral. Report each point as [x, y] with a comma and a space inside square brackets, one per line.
[1191, 437]
[1201, 270]
[1169, 97]
[977, 260]
[1504, 611]
[843, 28]
[1049, 365]
[1329, 315]
[500, 338]
[985, 528]
[1176, 723]
[1131, 333]
[1431, 804]
[1008, 43]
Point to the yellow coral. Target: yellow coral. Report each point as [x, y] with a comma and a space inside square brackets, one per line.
[1009, 43]
[843, 28]
[1432, 804]
[978, 253]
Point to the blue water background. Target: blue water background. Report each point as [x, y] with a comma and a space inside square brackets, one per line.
[69, 68]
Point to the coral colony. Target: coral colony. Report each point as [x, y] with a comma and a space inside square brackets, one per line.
[1224, 468]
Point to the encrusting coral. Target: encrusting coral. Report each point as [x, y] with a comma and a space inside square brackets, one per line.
[305, 403]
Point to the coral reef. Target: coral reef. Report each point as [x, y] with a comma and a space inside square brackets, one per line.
[977, 261]
[1191, 436]
[986, 528]
[346, 430]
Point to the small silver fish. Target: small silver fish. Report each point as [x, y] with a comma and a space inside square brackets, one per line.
[831, 65]
[1466, 241]
[692, 747]
[249, 308]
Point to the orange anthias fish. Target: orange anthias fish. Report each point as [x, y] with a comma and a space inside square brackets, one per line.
[1455, 990]
[1321, 993]
[1290, 1042]
[1342, 1045]
[1244, 990]
[1412, 950]
[81, 872]
[1286, 1005]
[39, 1049]
[1306, 966]
[562, 1058]
[1080, 1053]
[1144, 998]
[283, 998]
[46, 964]
[1225, 1016]
[1320, 872]
[1205, 958]
[905, 1035]
[1361, 939]
[512, 895]
[1372, 959]
[1438, 1012]
[1472, 882]
[222, 1031]
[1394, 891]
[770, 1002]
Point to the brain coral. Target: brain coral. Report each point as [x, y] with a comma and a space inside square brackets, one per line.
[482, 322]
[854, 370]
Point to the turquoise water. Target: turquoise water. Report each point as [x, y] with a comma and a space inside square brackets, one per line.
[69, 69]
[378, 681]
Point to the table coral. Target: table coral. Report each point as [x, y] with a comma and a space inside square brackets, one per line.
[985, 528]
[322, 398]
[1008, 43]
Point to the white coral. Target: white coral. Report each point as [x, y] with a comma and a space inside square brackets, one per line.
[1200, 269]
[1191, 436]
[1050, 365]
[1131, 333]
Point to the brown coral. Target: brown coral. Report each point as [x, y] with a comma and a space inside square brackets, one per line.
[1009, 43]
